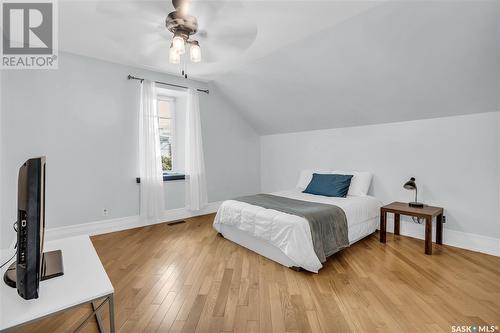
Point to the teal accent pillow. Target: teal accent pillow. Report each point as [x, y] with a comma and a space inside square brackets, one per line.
[329, 185]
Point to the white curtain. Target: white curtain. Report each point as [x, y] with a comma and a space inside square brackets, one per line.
[152, 202]
[196, 185]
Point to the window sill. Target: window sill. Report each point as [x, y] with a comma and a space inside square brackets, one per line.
[167, 176]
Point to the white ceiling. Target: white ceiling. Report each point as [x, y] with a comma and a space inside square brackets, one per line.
[233, 32]
[302, 65]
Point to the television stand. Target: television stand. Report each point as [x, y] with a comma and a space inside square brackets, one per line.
[84, 283]
[52, 266]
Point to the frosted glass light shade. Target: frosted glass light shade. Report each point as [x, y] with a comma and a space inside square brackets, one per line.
[173, 56]
[195, 53]
[178, 44]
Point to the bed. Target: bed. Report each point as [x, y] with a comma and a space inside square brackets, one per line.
[286, 238]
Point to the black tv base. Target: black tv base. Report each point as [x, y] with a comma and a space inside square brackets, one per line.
[52, 266]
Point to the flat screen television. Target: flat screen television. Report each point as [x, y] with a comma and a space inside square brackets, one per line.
[32, 265]
[30, 227]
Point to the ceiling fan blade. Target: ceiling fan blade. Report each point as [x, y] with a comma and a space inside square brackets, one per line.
[225, 28]
[219, 53]
[154, 43]
[206, 11]
[208, 56]
[151, 12]
[240, 38]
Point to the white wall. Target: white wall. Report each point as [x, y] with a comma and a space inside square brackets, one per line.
[83, 117]
[455, 161]
[2, 160]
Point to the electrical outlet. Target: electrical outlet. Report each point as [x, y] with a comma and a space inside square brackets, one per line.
[444, 219]
[105, 212]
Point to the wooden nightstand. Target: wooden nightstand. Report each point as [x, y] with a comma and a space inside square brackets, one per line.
[427, 213]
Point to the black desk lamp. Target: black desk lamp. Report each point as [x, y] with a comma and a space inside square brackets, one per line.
[411, 185]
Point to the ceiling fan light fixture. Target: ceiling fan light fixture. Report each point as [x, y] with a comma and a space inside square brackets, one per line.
[178, 44]
[195, 52]
[173, 56]
[182, 26]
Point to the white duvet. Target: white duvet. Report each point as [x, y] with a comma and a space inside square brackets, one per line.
[290, 233]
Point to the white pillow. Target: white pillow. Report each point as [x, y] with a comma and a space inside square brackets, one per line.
[306, 176]
[360, 182]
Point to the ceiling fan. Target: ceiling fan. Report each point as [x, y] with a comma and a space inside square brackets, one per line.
[183, 26]
[222, 27]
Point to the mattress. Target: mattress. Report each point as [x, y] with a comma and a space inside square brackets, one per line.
[291, 234]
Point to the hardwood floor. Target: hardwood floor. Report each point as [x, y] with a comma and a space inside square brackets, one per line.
[184, 278]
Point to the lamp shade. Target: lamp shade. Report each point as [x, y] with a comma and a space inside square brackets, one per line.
[195, 52]
[410, 185]
[178, 44]
[173, 56]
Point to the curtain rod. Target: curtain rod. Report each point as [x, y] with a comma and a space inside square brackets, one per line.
[130, 77]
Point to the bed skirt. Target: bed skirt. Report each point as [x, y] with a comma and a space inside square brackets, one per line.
[268, 250]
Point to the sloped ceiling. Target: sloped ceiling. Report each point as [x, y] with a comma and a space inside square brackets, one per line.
[291, 65]
[232, 33]
[394, 62]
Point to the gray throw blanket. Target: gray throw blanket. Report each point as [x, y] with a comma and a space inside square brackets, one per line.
[328, 223]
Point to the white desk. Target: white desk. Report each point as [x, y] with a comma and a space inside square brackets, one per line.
[84, 281]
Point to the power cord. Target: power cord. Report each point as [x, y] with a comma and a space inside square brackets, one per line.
[416, 220]
[5, 263]
[15, 247]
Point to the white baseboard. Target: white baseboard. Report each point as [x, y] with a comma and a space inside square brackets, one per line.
[123, 223]
[474, 242]
[464, 240]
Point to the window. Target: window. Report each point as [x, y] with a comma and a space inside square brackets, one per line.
[171, 138]
[166, 127]
[167, 122]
